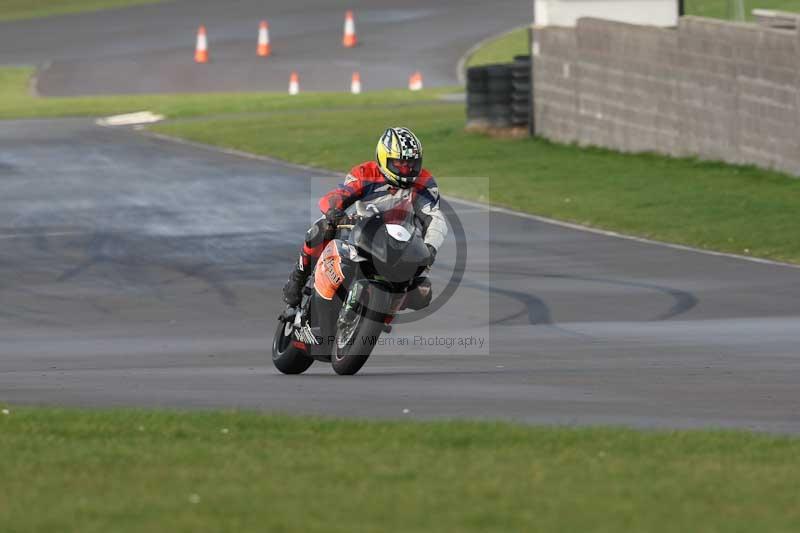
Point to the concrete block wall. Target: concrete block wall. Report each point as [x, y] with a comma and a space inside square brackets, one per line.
[713, 89]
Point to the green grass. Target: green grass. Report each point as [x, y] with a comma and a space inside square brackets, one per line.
[723, 8]
[17, 102]
[27, 9]
[710, 205]
[131, 471]
[502, 49]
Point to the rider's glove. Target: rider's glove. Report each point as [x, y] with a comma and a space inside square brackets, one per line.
[333, 215]
[432, 257]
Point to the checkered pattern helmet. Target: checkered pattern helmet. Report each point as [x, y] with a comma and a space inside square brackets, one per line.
[399, 156]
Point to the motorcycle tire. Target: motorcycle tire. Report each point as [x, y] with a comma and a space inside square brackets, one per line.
[498, 72]
[521, 86]
[520, 98]
[521, 74]
[477, 74]
[477, 99]
[477, 86]
[502, 87]
[286, 357]
[350, 354]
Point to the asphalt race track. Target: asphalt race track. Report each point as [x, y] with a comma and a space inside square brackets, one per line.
[136, 271]
[142, 272]
[150, 48]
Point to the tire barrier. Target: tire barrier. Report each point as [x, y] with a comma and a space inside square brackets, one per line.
[500, 89]
[477, 97]
[521, 91]
[498, 96]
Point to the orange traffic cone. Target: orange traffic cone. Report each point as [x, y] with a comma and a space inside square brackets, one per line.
[264, 49]
[355, 83]
[294, 83]
[415, 81]
[349, 40]
[201, 49]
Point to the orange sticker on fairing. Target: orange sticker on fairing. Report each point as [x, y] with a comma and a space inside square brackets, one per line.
[328, 275]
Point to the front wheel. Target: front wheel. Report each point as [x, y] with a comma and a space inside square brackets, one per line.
[287, 357]
[358, 328]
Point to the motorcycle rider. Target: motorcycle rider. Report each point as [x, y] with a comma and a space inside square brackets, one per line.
[395, 176]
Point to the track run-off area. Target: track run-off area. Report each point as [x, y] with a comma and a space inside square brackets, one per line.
[137, 271]
[140, 272]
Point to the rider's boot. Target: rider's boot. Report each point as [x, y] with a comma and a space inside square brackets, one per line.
[293, 290]
[310, 252]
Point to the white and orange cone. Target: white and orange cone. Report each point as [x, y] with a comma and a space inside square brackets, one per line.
[350, 39]
[201, 49]
[415, 81]
[355, 83]
[294, 83]
[264, 49]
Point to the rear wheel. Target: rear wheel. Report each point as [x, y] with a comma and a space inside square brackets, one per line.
[287, 357]
[357, 330]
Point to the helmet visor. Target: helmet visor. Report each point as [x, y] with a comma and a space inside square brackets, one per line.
[405, 168]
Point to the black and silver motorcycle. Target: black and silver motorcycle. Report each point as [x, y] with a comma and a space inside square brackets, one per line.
[371, 270]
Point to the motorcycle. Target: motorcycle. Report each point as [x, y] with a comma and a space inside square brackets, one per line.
[372, 269]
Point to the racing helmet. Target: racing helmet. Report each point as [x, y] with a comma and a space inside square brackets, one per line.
[399, 156]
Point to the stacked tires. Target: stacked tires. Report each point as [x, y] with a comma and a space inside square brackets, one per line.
[521, 91]
[477, 97]
[498, 96]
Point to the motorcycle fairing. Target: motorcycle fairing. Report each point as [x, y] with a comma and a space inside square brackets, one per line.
[325, 290]
[328, 275]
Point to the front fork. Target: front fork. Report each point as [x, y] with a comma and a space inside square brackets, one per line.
[358, 296]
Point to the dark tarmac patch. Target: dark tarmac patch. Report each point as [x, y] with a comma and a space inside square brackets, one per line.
[149, 49]
[126, 263]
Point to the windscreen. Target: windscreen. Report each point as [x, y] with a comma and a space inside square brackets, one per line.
[370, 233]
[393, 209]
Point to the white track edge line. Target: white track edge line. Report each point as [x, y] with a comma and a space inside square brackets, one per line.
[496, 209]
[608, 233]
[11, 236]
[324, 172]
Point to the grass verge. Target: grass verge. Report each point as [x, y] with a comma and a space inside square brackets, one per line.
[128, 471]
[17, 102]
[710, 205]
[28, 9]
[502, 49]
[723, 9]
